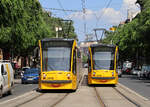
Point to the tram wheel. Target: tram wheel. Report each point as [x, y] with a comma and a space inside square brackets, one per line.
[113, 85]
[1, 92]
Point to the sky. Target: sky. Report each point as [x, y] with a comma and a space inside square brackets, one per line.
[98, 13]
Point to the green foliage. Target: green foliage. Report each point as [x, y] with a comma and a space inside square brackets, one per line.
[133, 38]
[84, 58]
[53, 22]
[23, 23]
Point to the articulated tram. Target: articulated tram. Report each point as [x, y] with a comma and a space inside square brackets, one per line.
[60, 61]
[102, 62]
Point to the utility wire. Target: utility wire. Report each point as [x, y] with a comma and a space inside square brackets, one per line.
[60, 4]
[84, 15]
[98, 18]
[62, 9]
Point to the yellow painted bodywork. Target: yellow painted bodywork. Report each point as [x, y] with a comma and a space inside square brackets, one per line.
[8, 72]
[58, 76]
[103, 74]
[107, 74]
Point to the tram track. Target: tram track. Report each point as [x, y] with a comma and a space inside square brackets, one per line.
[99, 98]
[30, 100]
[102, 101]
[60, 100]
[127, 98]
[55, 102]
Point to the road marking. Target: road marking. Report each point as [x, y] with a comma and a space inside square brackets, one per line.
[26, 94]
[130, 90]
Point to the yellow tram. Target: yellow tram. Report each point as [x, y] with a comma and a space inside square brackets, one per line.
[60, 61]
[102, 62]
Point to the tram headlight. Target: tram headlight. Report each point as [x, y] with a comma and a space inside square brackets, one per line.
[112, 73]
[68, 76]
[44, 76]
[94, 73]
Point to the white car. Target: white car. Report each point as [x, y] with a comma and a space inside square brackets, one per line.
[135, 71]
[119, 71]
[6, 77]
[144, 71]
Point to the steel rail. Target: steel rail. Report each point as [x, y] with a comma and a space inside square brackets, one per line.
[30, 100]
[99, 98]
[127, 98]
[60, 100]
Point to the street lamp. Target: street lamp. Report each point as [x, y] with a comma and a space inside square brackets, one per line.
[57, 30]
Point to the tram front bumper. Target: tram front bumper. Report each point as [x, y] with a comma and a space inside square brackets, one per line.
[56, 84]
[103, 80]
[56, 81]
[103, 77]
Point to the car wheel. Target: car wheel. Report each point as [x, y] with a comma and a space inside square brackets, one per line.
[148, 76]
[113, 85]
[140, 77]
[22, 82]
[9, 92]
[1, 92]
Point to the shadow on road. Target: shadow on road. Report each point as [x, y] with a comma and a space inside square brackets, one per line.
[134, 78]
[55, 91]
[84, 82]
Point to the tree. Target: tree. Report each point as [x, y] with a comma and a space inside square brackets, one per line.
[133, 37]
[23, 23]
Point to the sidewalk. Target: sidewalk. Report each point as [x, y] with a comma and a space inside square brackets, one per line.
[17, 81]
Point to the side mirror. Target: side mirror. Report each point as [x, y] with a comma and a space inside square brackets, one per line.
[85, 65]
[3, 71]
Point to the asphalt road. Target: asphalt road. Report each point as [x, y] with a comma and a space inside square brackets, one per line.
[141, 87]
[18, 90]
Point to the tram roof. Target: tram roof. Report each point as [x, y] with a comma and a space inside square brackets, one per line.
[56, 39]
[57, 42]
[102, 45]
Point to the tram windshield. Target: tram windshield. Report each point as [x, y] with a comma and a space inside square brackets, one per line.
[56, 59]
[103, 60]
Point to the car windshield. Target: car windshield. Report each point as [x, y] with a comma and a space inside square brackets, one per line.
[56, 59]
[103, 60]
[146, 67]
[31, 71]
[24, 69]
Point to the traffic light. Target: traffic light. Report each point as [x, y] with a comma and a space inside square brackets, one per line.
[112, 29]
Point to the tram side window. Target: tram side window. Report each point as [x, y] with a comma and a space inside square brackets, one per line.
[74, 62]
[3, 72]
[89, 62]
[117, 60]
[78, 53]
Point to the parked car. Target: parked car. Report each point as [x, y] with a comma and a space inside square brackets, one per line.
[145, 72]
[85, 65]
[30, 76]
[135, 71]
[127, 66]
[23, 70]
[119, 71]
[6, 77]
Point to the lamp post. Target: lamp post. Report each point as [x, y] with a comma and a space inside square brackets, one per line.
[57, 30]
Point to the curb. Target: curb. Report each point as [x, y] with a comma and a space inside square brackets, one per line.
[17, 81]
[130, 90]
